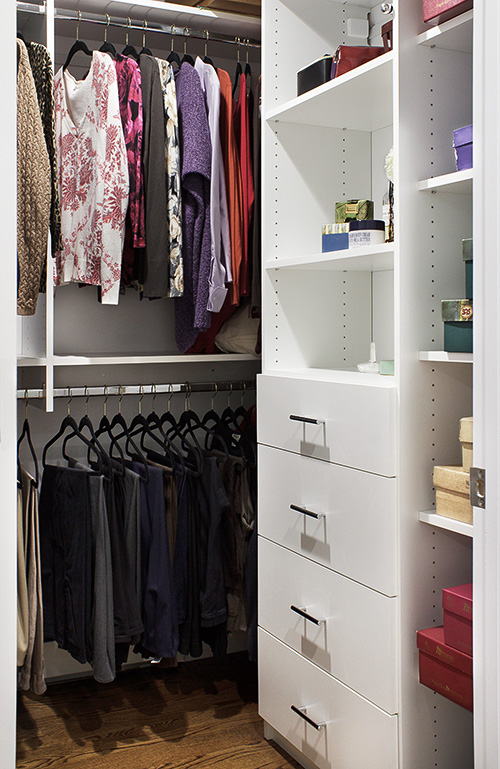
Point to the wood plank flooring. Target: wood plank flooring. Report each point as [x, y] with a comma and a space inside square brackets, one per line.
[199, 715]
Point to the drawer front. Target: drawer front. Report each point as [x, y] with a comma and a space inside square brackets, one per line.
[356, 735]
[355, 639]
[356, 536]
[357, 422]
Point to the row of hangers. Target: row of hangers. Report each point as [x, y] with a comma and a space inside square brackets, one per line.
[173, 57]
[177, 443]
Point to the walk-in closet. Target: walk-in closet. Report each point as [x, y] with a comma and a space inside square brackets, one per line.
[280, 502]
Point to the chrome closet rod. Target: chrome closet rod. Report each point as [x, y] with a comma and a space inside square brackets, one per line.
[146, 389]
[30, 7]
[166, 29]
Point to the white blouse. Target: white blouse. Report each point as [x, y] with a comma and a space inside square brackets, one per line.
[92, 176]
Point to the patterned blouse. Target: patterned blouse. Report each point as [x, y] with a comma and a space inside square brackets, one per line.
[172, 167]
[130, 94]
[93, 178]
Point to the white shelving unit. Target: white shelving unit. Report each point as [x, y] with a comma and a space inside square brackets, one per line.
[458, 527]
[320, 311]
[458, 182]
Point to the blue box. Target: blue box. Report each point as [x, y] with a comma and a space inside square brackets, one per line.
[337, 241]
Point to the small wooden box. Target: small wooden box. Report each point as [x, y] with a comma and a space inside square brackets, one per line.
[452, 493]
[465, 436]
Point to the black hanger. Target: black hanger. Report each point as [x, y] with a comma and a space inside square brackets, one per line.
[187, 57]
[206, 57]
[173, 57]
[248, 69]
[21, 37]
[78, 45]
[144, 49]
[129, 50]
[239, 69]
[107, 47]
[109, 427]
[69, 421]
[26, 433]
[154, 423]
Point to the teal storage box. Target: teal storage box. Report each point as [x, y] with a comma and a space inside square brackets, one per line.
[458, 336]
[467, 257]
[457, 317]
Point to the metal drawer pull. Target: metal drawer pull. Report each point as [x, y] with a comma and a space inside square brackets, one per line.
[303, 613]
[300, 712]
[305, 511]
[308, 420]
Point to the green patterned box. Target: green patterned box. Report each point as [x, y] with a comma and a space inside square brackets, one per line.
[352, 210]
[457, 315]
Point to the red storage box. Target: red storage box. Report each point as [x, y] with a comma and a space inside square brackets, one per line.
[442, 10]
[457, 617]
[444, 669]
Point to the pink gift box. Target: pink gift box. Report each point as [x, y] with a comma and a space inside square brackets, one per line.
[442, 10]
[444, 669]
[457, 617]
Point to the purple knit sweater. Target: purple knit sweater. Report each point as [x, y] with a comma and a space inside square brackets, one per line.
[191, 314]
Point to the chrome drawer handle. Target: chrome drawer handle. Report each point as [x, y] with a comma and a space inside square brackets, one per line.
[305, 511]
[308, 420]
[303, 613]
[301, 712]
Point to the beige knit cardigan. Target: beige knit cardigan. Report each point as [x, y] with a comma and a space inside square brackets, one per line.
[33, 187]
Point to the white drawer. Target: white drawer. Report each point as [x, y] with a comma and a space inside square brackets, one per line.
[355, 639]
[357, 422]
[356, 735]
[356, 536]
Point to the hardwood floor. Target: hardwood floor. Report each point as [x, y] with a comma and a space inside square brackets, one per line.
[199, 715]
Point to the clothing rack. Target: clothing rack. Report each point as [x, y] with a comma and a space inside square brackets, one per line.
[145, 27]
[151, 389]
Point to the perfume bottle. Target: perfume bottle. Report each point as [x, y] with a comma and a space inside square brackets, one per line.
[388, 212]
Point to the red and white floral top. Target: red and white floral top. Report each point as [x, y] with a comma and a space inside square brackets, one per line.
[93, 178]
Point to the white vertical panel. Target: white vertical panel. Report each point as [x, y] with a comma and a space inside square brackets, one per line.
[8, 506]
[486, 382]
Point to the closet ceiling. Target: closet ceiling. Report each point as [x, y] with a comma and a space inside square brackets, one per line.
[247, 7]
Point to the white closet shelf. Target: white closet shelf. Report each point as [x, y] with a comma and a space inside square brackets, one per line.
[458, 182]
[440, 356]
[361, 100]
[166, 13]
[127, 360]
[452, 35]
[441, 522]
[24, 360]
[345, 375]
[369, 259]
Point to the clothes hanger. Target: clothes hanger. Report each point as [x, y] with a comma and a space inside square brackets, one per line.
[173, 56]
[21, 37]
[69, 422]
[239, 70]
[104, 428]
[144, 49]
[219, 428]
[119, 421]
[86, 422]
[107, 47]
[187, 58]
[78, 45]
[206, 58]
[189, 423]
[193, 451]
[170, 450]
[129, 50]
[248, 69]
[26, 433]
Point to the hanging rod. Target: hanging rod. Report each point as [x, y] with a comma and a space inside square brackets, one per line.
[148, 389]
[166, 29]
